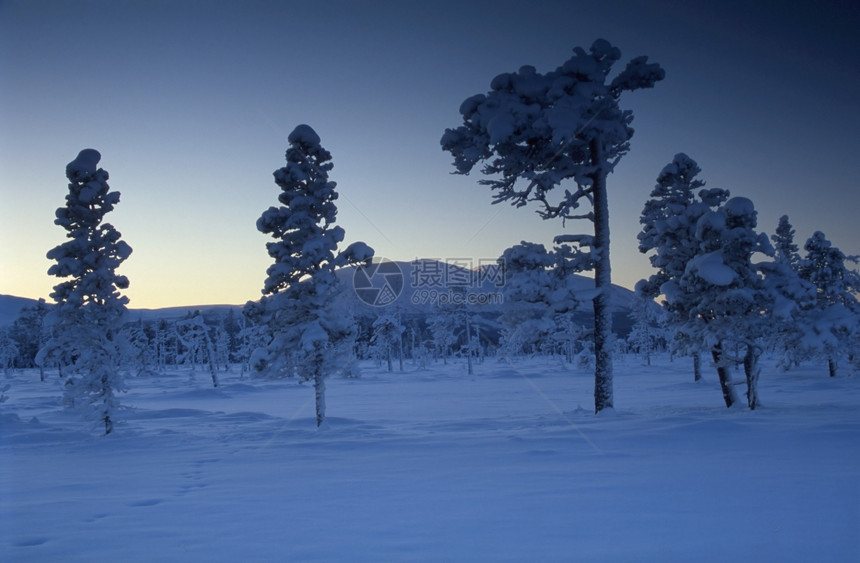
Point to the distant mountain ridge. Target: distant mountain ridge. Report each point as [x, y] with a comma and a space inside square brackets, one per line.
[418, 285]
[424, 281]
[11, 306]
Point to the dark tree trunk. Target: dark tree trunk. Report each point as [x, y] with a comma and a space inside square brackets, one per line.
[751, 370]
[319, 396]
[468, 345]
[400, 346]
[210, 355]
[831, 366]
[107, 399]
[697, 366]
[603, 396]
[725, 375]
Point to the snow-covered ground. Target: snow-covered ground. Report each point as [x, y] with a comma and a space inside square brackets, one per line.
[435, 465]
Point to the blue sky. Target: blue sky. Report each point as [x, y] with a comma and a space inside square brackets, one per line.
[190, 104]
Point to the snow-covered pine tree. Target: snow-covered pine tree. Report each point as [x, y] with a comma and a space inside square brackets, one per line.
[190, 346]
[29, 333]
[141, 354]
[8, 351]
[565, 336]
[308, 335]
[783, 244]
[463, 317]
[89, 307]
[792, 296]
[542, 130]
[254, 339]
[645, 331]
[388, 336]
[195, 336]
[832, 323]
[442, 326]
[526, 292]
[669, 222]
[725, 297]
[232, 328]
[163, 346]
[221, 345]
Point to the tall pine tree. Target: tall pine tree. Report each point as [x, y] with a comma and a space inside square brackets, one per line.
[308, 335]
[535, 132]
[90, 307]
[669, 222]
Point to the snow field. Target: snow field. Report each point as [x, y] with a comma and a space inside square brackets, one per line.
[509, 464]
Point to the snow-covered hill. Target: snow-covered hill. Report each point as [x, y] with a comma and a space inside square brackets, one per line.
[173, 313]
[417, 286]
[10, 309]
[11, 306]
[424, 283]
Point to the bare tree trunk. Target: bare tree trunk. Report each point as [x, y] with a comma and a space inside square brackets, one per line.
[725, 375]
[319, 396]
[468, 344]
[752, 372]
[210, 354]
[697, 366]
[603, 396]
[400, 339]
[107, 396]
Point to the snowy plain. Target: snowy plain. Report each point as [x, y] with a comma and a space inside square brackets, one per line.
[509, 464]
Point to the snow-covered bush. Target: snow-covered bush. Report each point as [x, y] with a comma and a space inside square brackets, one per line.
[540, 299]
[141, 355]
[527, 289]
[8, 351]
[30, 334]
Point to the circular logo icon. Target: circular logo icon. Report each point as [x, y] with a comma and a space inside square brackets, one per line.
[379, 283]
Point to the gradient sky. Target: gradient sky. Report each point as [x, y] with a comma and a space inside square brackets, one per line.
[190, 104]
